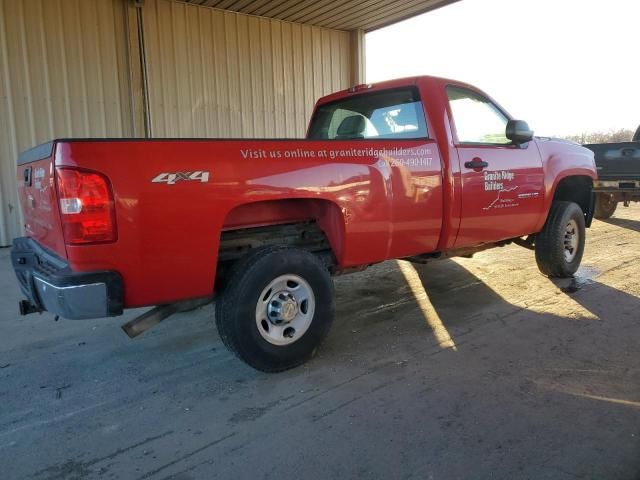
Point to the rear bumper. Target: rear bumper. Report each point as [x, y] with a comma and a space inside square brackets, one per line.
[49, 284]
[613, 186]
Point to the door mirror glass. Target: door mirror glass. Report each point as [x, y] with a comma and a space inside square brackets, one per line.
[518, 132]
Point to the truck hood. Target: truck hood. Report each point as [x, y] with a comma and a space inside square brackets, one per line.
[556, 140]
[563, 158]
[569, 153]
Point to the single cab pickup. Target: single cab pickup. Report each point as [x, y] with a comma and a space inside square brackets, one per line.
[418, 169]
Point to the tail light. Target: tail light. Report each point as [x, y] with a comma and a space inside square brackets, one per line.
[86, 206]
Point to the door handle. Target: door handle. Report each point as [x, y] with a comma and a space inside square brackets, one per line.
[27, 176]
[476, 164]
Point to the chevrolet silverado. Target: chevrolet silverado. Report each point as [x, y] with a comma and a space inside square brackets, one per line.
[417, 169]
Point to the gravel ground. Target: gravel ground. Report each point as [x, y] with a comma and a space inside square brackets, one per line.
[461, 369]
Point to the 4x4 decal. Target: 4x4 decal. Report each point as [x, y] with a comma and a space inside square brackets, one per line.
[172, 178]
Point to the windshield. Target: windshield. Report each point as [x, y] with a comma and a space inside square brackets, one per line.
[388, 114]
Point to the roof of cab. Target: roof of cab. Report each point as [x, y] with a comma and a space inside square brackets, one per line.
[395, 83]
[431, 81]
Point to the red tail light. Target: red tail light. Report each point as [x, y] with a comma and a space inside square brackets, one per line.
[86, 206]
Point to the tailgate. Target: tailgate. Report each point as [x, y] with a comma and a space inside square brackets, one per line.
[617, 161]
[38, 199]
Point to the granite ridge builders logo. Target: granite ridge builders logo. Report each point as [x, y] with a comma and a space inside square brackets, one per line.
[498, 182]
[494, 181]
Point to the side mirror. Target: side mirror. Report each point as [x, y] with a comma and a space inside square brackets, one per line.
[518, 132]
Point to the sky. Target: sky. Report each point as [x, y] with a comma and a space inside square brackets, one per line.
[565, 66]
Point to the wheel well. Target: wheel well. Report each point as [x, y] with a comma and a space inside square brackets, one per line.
[577, 189]
[309, 224]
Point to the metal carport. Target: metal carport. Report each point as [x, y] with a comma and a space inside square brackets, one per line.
[168, 68]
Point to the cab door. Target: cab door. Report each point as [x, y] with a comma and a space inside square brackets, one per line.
[502, 183]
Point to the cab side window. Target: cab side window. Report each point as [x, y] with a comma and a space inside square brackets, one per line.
[477, 119]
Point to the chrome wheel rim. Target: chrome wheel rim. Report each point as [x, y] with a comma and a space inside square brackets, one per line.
[571, 240]
[285, 309]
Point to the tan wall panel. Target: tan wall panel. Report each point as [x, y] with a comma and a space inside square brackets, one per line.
[222, 74]
[63, 72]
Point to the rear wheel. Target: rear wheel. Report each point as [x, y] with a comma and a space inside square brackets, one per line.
[560, 244]
[606, 205]
[276, 308]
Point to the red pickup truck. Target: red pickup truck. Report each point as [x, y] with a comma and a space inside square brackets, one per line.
[419, 168]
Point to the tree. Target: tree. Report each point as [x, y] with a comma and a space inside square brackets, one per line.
[612, 136]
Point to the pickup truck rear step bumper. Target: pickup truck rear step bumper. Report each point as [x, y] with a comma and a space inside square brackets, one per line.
[50, 285]
[618, 185]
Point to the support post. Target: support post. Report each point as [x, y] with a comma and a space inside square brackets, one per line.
[139, 93]
[358, 60]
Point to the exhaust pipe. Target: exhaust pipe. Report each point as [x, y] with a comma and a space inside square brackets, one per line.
[149, 319]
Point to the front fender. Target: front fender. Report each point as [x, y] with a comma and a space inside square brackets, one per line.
[563, 159]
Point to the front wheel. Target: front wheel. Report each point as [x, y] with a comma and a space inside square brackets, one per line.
[606, 205]
[276, 308]
[560, 244]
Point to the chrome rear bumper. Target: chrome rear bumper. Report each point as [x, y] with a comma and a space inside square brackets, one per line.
[50, 285]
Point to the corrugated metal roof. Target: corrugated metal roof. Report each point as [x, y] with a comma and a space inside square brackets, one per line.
[339, 14]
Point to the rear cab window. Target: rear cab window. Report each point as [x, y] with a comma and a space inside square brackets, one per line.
[387, 114]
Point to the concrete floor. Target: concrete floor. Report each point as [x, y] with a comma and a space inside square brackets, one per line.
[467, 369]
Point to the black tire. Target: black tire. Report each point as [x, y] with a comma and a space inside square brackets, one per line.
[550, 242]
[237, 303]
[606, 205]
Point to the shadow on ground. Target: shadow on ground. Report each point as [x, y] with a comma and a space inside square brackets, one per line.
[624, 223]
[540, 384]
